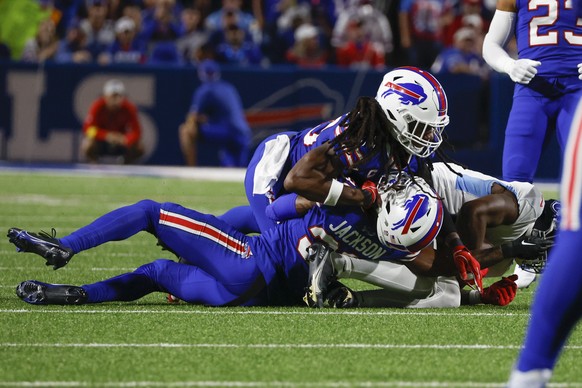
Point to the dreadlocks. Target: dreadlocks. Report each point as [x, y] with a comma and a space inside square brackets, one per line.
[367, 125]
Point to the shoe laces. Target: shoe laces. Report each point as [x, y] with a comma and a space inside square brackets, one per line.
[52, 236]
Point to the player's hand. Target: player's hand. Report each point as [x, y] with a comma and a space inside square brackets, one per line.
[580, 71]
[467, 265]
[522, 70]
[370, 194]
[527, 247]
[500, 293]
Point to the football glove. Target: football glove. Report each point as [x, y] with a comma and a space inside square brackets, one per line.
[527, 247]
[500, 293]
[341, 297]
[522, 70]
[370, 194]
[321, 274]
[467, 265]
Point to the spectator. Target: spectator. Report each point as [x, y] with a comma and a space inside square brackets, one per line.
[192, 36]
[358, 51]
[163, 25]
[307, 51]
[99, 30]
[44, 45]
[237, 50]
[112, 126]
[246, 21]
[134, 12]
[126, 48]
[463, 57]
[74, 47]
[469, 15]
[421, 29]
[216, 116]
[374, 24]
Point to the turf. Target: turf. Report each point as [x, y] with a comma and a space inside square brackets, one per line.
[150, 343]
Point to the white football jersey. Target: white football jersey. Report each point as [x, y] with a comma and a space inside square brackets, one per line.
[455, 190]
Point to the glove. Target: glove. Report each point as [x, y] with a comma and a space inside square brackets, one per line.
[341, 297]
[370, 194]
[467, 264]
[500, 293]
[527, 247]
[580, 71]
[522, 70]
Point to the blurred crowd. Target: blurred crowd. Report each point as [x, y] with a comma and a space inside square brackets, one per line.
[442, 35]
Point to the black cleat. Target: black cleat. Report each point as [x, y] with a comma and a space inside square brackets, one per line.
[321, 274]
[43, 244]
[35, 292]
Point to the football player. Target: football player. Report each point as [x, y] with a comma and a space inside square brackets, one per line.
[491, 212]
[222, 266]
[556, 307]
[546, 75]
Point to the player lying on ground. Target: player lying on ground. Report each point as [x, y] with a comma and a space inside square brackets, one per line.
[224, 266]
[491, 212]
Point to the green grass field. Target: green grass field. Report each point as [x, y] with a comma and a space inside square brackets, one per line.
[148, 343]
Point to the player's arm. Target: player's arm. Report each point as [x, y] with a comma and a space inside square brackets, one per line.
[288, 206]
[489, 211]
[501, 30]
[313, 177]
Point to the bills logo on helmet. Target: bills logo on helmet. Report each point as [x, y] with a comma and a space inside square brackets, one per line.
[414, 210]
[408, 93]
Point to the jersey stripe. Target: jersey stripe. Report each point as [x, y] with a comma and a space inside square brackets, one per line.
[572, 175]
[202, 229]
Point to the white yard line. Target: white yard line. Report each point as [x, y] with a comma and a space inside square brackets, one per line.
[284, 384]
[306, 311]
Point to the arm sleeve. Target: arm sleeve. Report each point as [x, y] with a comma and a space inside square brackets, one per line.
[500, 32]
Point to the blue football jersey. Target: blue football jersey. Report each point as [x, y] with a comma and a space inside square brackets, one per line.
[549, 32]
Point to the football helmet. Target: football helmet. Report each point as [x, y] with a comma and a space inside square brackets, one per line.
[545, 227]
[416, 104]
[411, 214]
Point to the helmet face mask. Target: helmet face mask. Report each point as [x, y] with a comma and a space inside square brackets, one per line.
[416, 106]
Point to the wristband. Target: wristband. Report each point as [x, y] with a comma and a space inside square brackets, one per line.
[335, 191]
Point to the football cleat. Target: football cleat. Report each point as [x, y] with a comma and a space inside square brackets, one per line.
[321, 274]
[341, 297]
[43, 244]
[35, 292]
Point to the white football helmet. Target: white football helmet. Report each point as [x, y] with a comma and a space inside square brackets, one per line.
[411, 215]
[416, 105]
